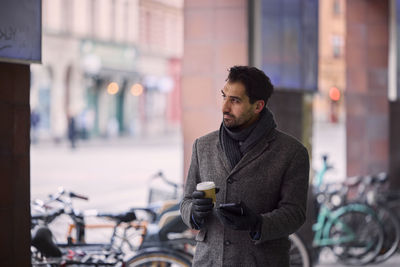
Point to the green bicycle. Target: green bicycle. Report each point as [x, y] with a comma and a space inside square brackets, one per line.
[352, 231]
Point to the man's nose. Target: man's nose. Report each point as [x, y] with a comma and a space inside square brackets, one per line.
[225, 106]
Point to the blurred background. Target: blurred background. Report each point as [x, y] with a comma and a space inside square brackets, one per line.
[112, 67]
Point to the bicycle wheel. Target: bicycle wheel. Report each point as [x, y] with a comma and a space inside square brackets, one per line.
[158, 257]
[299, 255]
[391, 230]
[358, 237]
[394, 207]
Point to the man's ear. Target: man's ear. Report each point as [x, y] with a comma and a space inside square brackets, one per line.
[260, 104]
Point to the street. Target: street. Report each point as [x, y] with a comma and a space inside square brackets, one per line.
[114, 174]
[328, 260]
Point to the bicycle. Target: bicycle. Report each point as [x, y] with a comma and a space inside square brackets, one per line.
[46, 213]
[168, 241]
[372, 191]
[163, 231]
[369, 191]
[353, 231]
[162, 226]
[46, 253]
[298, 253]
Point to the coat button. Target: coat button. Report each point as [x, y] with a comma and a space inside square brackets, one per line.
[227, 242]
[230, 180]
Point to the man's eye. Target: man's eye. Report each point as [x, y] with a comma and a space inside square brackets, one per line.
[234, 100]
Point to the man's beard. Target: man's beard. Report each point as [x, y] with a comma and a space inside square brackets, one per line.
[232, 124]
[238, 123]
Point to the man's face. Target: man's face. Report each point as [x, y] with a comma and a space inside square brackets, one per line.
[238, 112]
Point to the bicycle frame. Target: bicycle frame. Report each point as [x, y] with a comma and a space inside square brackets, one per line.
[327, 218]
[141, 227]
[320, 175]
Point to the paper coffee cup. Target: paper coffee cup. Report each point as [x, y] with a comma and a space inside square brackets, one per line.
[208, 188]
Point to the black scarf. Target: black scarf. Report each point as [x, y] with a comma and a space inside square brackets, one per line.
[237, 143]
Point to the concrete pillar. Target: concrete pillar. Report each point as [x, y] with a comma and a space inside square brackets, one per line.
[394, 140]
[394, 96]
[14, 165]
[215, 39]
[367, 105]
[293, 114]
[58, 121]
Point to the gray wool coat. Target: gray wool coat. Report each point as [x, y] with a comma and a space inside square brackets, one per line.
[271, 179]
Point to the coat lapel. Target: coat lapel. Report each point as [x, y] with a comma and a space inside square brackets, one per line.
[222, 157]
[254, 153]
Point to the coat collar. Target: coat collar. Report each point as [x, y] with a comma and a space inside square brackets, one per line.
[251, 155]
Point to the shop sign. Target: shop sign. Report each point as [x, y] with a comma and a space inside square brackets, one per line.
[97, 55]
[20, 31]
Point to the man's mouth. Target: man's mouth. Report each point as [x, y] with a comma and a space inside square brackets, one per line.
[227, 116]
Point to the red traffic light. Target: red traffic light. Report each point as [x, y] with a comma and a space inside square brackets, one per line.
[334, 94]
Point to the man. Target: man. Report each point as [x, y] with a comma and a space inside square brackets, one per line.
[261, 169]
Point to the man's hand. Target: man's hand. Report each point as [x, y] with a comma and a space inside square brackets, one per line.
[245, 220]
[201, 208]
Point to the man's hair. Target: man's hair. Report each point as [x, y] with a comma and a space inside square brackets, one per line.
[258, 85]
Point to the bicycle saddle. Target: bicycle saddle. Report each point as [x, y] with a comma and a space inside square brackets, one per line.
[353, 181]
[380, 178]
[43, 241]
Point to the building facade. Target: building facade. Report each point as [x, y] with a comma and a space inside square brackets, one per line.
[110, 66]
[331, 62]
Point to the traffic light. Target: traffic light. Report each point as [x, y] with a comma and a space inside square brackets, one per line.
[334, 94]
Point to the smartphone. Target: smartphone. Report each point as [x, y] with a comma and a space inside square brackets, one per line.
[234, 208]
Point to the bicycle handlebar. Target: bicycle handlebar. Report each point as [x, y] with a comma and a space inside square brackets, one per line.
[66, 202]
[163, 178]
[74, 195]
[61, 192]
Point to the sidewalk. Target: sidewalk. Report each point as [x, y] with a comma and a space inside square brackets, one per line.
[392, 262]
[113, 173]
[330, 261]
[330, 139]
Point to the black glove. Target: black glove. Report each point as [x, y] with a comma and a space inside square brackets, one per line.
[240, 217]
[201, 208]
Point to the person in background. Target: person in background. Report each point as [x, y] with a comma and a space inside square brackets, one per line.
[35, 120]
[72, 132]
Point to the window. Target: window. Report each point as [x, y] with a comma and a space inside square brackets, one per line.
[336, 7]
[113, 15]
[93, 16]
[67, 16]
[337, 46]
